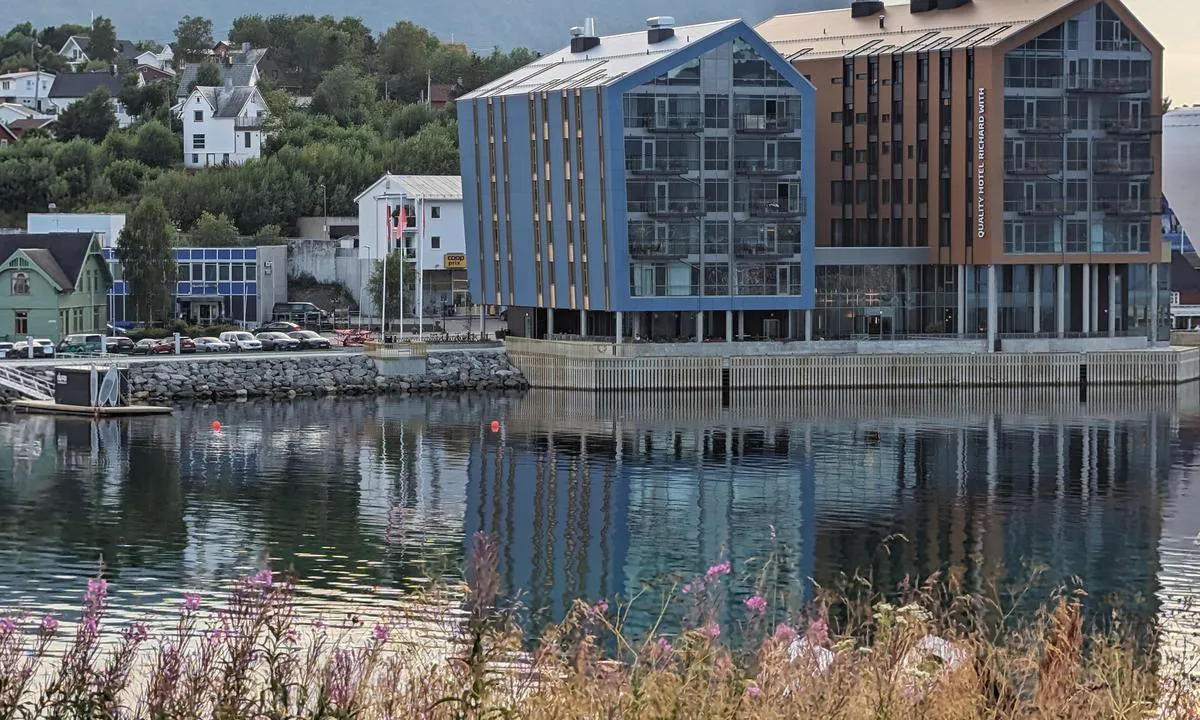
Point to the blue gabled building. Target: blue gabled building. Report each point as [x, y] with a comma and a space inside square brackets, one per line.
[654, 184]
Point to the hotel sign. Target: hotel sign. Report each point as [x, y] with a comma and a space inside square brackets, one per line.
[980, 182]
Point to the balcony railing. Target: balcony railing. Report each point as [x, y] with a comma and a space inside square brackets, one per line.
[1107, 85]
[248, 123]
[1037, 208]
[765, 124]
[663, 248]
[775, 207]
[761, 247]
[1029, 166]
[1054, 125]
[673, 123]
[1126, 166]
[1132, 126]
[763, 168]
[661, 166]
[668, 208]
[1129, 207]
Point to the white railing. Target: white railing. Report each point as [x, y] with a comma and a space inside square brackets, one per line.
[25, 383]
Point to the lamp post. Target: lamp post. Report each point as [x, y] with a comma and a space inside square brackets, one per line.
[325, 213]
[362, 280]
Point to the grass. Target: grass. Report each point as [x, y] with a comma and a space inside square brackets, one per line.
[921, 651]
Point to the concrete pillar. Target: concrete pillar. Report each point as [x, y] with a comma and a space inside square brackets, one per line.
[808, 325]
[549, 323]
[962, 300]
[1153, 303]
[728, 326]
[583, 323]
[741, 330]
[1085, 298]
[1095, 298]
[1112, 300]
[1060, 302]
[1037, 298]
[620, 322]
[992, 309]
[699, 326]
[791, 324]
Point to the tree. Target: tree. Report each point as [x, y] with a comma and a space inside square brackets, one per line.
[102, 40]
[1166, 104]
[90, 118]
[192, 35]
[403, 58]
[213, 231]
[148, 258]
[345, 95]
[207, 75]
[394, 270]
[125, 177]
[145, 100]
[157, 146]
[268, 234]
[54, 37]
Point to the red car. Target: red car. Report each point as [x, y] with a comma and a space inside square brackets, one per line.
[166, 346]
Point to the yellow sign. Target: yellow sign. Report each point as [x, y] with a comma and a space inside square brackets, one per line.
[455, 261]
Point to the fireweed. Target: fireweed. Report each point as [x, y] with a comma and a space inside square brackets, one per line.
[918, 651]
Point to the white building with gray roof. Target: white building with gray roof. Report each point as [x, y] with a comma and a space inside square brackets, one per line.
[222, 125]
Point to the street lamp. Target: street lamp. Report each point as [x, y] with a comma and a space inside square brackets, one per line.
[325, 213]
[362, 280]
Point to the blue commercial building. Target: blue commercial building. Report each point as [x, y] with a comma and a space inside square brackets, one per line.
[654, 183]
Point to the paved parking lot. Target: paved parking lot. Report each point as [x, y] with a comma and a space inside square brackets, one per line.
[190, 357]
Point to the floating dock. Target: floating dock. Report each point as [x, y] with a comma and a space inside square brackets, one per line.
[54, 408]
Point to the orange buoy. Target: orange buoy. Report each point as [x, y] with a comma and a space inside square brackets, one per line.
[216, 424]
[495, 426]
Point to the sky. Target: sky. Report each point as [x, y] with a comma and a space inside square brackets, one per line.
[1176, 24]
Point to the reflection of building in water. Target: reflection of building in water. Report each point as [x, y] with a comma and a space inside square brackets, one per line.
[1179, 577]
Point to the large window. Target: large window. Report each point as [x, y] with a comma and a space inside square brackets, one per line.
[21, 322]
[198, 141]
[1111, 33]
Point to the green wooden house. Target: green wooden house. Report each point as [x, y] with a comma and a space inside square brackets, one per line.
[52, 285]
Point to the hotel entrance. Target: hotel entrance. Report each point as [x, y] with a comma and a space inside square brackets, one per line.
[203, 310]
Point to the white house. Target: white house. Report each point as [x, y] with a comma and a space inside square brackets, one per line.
[70, 88]
[75, 50]
[13, 111]
[30, 88]
[222, 125]
[432, 234]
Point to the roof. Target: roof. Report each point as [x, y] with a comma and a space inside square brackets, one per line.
[153, 72]
[239, 73]
[615, 57]
[426, 187]
[835, 33]
[7, 134]
[24, 73]
[77, 85]
[81, 40]
[30, 123]
[60, 255]
[227, 102]
[1181, 166]
[128, 50]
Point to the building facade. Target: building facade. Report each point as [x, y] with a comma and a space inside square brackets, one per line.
[28, 87]
[222, 125]
[52, 285]
[986, 167]
[653, 183]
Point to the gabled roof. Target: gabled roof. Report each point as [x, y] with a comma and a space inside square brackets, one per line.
[77, 85]
[128, 50]
[227, 102]
[426, 187]
[24, 73]
[80, 40]
[60, 255]
[835, 33]
[20, 126]
[239, 73]
[615, 57]
[6, 134]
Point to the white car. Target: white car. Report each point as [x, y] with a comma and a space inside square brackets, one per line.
[241, 340]
[211, 344]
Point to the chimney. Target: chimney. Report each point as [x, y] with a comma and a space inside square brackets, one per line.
[584, 38]
[881, 22]
[866, 8]
[661, 27]
[113, 70]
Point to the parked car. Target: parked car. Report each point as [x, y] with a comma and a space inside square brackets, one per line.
[82, 343]
[277, 341]
[144, 347]
[241, 340]
[118, 345]
[42, 348]
[167, 346]
[309, 340]
[5, 347]
[305, 311]
[279, 326]
[211, 344]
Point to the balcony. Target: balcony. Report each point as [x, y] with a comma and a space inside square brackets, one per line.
[1126, 126]
[1038, 208]
[663, 208]
[660, 166]
[1030, 166]
[775, 207]
[677, 123]
[766, 168]
[248, 123]
[1107, 85]
[1037, 126]
[765, 124]
[1126, 166]
[1129, 207]
[752, 242]
[662, 249]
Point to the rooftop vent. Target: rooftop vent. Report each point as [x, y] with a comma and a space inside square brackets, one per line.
[584, 39]
[661, 27]
[865, 8]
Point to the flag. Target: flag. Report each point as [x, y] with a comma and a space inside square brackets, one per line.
[387, 223]
[402, 223]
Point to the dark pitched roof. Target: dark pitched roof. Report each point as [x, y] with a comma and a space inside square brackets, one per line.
[239, 73]
[77, 85]
[6, 134]
[227, 102]
[82, 41]
[59, 255]
[128, 50]
[20, 126]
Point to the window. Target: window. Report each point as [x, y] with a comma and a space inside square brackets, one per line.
[835, 117]
[197, 116]
[435, 212]
[836, 81]
[239, 272]
[860, 118]
[20, 283]
[886, 148]
[860, 156]
[886, 118]
[835, 155]
[225, 158]
[198, 142]
[247, 139]
[837, 191]
[435, 242]
[21, 322]
[195, 159]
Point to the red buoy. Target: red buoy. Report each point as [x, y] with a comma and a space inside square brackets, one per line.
[495, 426]
[216, 424]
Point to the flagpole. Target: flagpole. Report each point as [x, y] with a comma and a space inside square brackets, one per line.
[403, 251]
[387, 251]
[421, 272]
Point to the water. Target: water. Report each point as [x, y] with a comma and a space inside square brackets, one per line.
[367, 499]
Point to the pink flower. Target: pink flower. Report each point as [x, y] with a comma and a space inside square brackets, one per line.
[784, 632]
[7, 626]
[381, 633]
[262, 578]
[191, 602]
[49, 624]
[713, 630]
[687, 588]
[753, 691]
[818, 632]
[601, 607]
[664, 645]
[135, 633]
[756, 604]
[717, 570]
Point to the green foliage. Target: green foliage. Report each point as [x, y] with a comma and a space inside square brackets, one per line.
[119, 145]
[125, 177]
[145, 100]
[345, 95]
[268, 234]
[90, 118]
[54, 37]
[307, 47]
[146, 253]
[157, 146]
[192, 35]
[207, 75]
[102, 40]
[212, 231]
[75, 164]
[403, 59]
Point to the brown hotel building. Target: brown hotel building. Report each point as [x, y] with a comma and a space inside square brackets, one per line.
[995, 166]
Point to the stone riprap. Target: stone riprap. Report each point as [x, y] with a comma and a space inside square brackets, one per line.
[350, 374]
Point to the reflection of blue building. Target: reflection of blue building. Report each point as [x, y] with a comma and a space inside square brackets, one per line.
[235, 284]
[664, 173]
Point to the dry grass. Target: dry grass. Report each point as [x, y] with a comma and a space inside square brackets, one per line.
[924, 653]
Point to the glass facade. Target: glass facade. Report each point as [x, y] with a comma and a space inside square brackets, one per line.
[1078, 121]
[211, 285]
[712, 160]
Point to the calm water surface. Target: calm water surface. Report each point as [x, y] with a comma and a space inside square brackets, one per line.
[366, 499]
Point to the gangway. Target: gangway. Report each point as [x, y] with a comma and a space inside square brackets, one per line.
[26, 383]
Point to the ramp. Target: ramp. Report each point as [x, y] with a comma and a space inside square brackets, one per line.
[26, 384]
